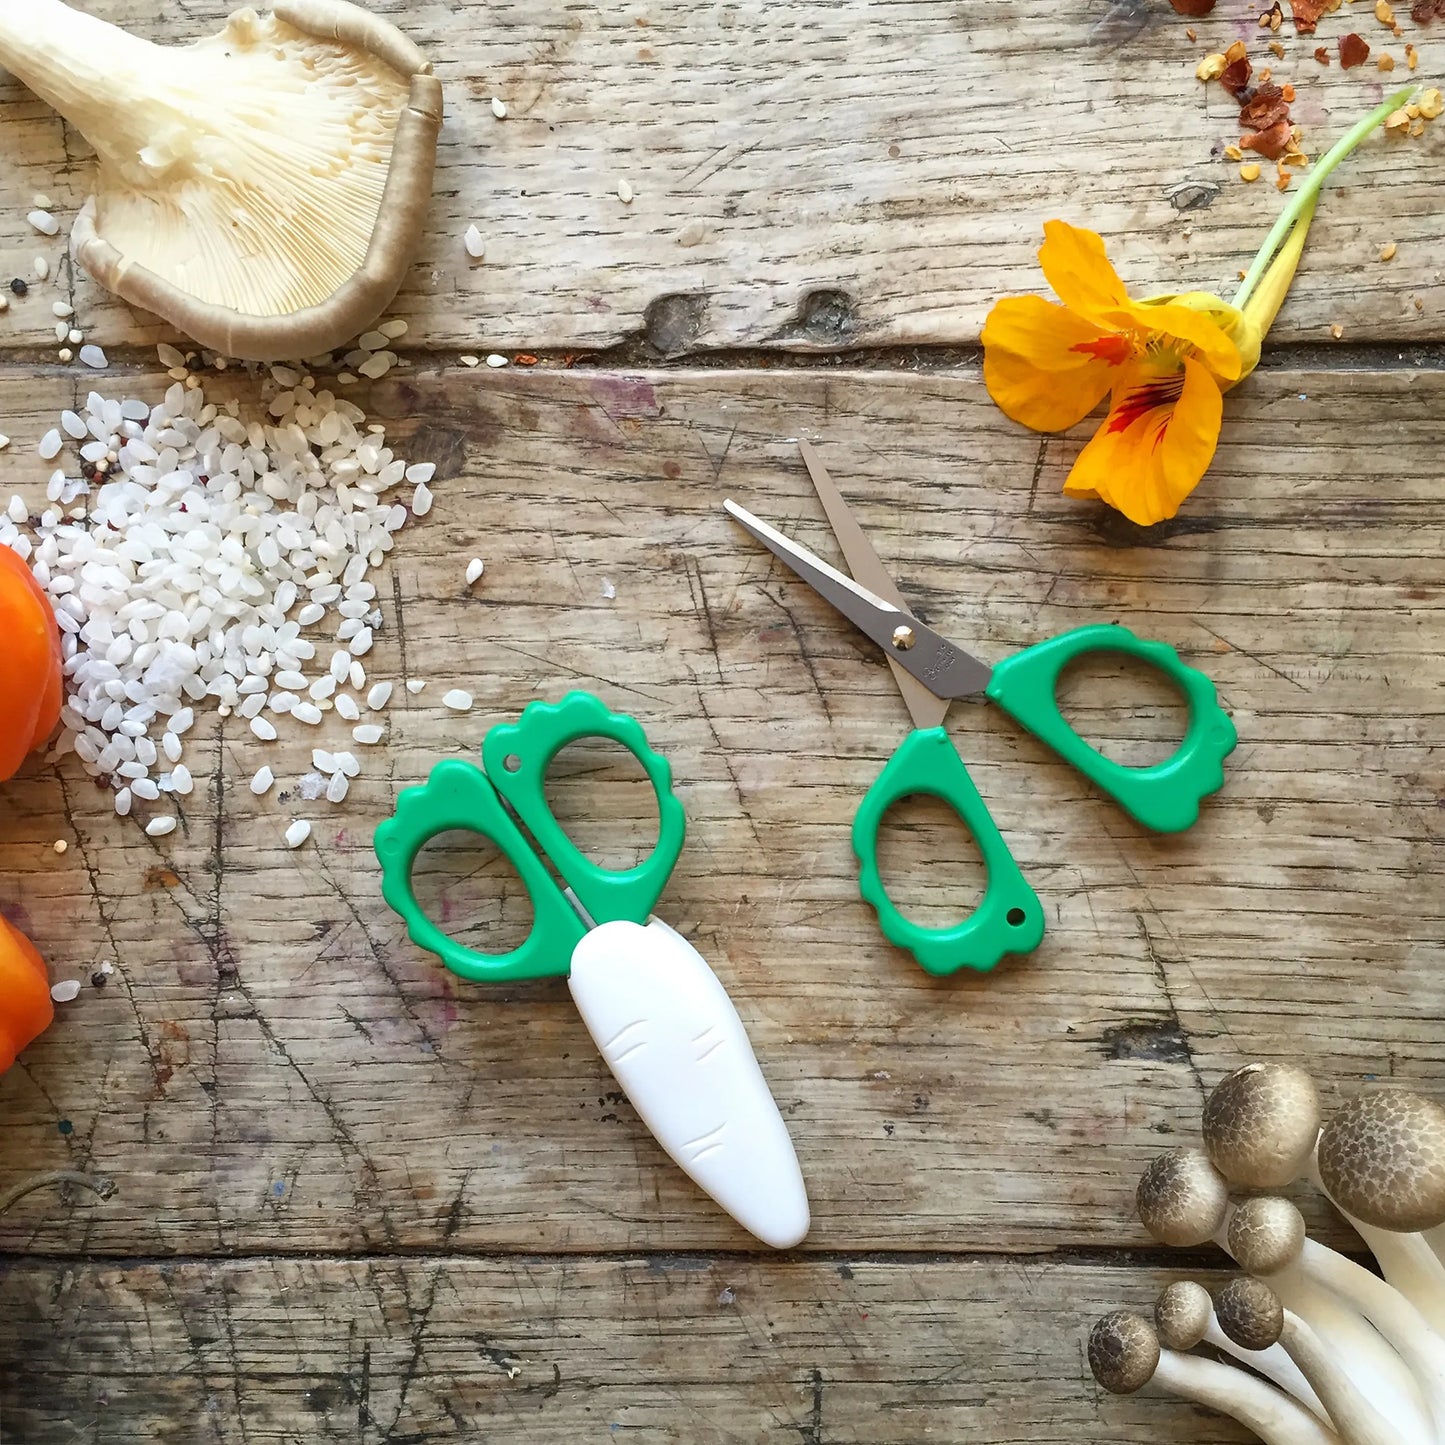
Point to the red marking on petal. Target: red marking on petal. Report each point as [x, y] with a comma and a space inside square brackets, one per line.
[1139, 401]
[1113, 349]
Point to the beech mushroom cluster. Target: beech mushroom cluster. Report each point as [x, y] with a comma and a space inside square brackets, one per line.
[1331, 1354]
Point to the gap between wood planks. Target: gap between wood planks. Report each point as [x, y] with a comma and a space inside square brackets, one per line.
[637, 353]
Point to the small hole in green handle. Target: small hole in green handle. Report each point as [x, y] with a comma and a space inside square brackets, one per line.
[1016, 917]
[512, 763]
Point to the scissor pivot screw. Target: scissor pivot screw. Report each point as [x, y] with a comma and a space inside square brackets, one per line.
[903, 638]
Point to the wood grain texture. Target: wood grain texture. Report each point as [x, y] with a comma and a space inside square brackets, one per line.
[274, 1068]
[812, 175]
[689, 1350]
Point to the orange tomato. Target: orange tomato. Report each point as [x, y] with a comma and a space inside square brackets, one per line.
[25, 1007]
[30, 677]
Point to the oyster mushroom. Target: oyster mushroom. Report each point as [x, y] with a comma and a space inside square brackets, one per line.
[1261, 1126]
[263, 189]
[1184, 1317]
[1250, 1313]
[1183, 1200]
[1124, 1355]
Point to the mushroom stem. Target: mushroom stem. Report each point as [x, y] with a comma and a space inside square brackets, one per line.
[1310, 1287]
[1270, 1413]
[1356, 1419]
[71, 61]
[1273, 1363]
[1435, 1238]
[1397, 1320]
[1125, 1355]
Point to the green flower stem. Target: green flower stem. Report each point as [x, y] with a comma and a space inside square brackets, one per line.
[1311, 187]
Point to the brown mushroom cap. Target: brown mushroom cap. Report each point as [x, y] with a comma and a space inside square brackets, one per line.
[1266, 1234]
[1182, 1314]
[1260, 1124]
[1250, 1313]
[1123, 1352]
[1182, 1198]
[1382, 1159]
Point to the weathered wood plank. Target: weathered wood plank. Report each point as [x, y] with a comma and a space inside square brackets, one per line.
[275, 1068]
[698, 1351]
[816, 175]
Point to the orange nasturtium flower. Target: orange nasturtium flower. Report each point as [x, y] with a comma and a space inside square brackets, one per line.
[1164, 362]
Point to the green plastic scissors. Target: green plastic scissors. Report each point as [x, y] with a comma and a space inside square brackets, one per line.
[931, 672]
[659, 1015]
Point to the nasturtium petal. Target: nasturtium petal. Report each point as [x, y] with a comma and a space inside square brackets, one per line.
[1155, 444]
[1041, 363]
[1075, 265]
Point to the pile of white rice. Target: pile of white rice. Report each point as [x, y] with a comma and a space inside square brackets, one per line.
[198, 558]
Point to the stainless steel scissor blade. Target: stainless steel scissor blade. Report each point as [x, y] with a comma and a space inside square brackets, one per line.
[933, 670]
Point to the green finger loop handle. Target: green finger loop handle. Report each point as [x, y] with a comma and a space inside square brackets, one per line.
[1164, 796]
[1010, 919]
[516, 757]
[458, 795]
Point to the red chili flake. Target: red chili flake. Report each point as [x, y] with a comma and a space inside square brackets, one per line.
[1354, 50]
[1307, 14]
[1422, 12]
[1235, 75]
[1272, 142]
[525, 358]
[1272, 18]
[1267, 108]
[1194, 8]
[1322, 55]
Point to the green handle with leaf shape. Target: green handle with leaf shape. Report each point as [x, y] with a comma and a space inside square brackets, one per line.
[1164, 796]
[1010, 919]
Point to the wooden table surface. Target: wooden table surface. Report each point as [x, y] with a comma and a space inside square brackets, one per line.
[356, 1199]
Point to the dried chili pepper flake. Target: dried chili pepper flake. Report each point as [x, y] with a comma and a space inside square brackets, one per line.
[1322, 55]
[1271, 142]
[1306, 14]
[1235, 75]
[1195, 9]
[1211, 67]
[1267, 108]
[1237, 51]
[1281, 180]
[1422, 12]
[1287, 91]
[1192, 33]
[1398, 121]
[1431, 103]
[1387, 251]
[1354, 50]
[1337, 331]
[1233, 153]
[1417, 127]
[1412, 57]
[1276, 49]
[1249, 172]
[1386, 62]
[1384, 12]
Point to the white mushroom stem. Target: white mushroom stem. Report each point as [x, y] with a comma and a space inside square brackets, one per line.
[1435, 1238]
[1270, 1413]
[1407, 1260]
[1399, 1323]
[1355, 1418]
[1376, 1370]
[1273, 1363]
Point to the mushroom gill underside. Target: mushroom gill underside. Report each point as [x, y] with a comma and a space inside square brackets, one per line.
[263, 187]
[1306, 1346]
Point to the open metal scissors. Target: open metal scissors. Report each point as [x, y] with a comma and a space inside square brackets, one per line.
[657, 1012]
[931, 672]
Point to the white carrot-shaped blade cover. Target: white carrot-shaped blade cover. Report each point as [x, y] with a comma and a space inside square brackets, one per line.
[674, 1041]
